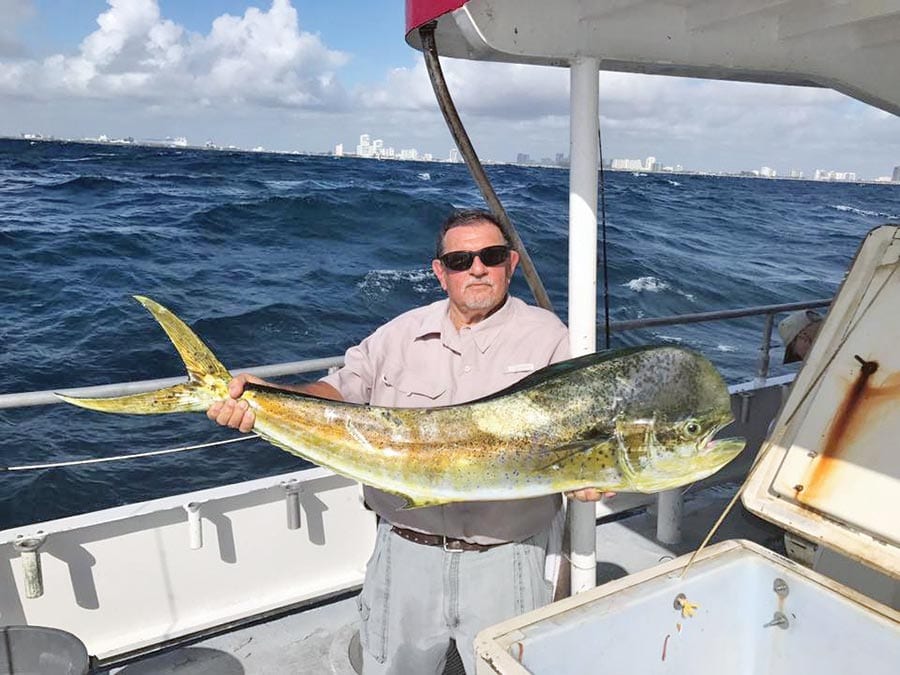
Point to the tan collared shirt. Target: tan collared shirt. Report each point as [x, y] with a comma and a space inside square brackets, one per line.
[421, 360]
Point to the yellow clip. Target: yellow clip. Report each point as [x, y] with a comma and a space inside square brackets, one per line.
[688, 609]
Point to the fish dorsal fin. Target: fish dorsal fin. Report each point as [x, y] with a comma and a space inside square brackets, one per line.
[561, 368]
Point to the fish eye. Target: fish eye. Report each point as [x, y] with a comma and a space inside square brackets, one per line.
[692, 428]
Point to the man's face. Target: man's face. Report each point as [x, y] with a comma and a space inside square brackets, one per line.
[479, 289]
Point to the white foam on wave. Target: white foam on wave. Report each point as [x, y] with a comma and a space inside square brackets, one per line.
[652, 284]
[649, 284]
[673, 182]
[671, 339]
[424, 175]
[863, 212]
[726, 348]
[381, 282]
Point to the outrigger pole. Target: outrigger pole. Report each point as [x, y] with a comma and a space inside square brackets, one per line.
[467, 150]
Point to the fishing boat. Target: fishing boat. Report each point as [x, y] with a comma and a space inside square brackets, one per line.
[261, 576]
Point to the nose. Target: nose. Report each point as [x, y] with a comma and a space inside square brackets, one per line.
[478, 268]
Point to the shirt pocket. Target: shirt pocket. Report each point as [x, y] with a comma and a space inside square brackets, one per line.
[410, 390]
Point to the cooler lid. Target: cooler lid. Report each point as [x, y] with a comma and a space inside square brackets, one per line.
[830, 469]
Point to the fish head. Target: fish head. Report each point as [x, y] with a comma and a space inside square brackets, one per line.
[666, 433]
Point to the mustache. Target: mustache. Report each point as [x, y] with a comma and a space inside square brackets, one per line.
[479, 282]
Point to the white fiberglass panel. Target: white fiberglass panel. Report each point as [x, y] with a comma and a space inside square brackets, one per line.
[637, 629]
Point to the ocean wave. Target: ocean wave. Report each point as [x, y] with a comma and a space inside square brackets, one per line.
[863, 212]
[648, 284]
[88, 183]
[651, 284]
[382, 282]
[670, 339]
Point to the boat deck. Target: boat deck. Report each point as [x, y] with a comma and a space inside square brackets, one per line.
[318, 640]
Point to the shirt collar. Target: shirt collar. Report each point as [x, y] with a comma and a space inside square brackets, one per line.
[436, 321]
[433, 319]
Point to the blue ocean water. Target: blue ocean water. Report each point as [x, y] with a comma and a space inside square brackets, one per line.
[276, 258]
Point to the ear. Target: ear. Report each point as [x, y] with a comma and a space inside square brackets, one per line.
[512, 262]
[439, 272]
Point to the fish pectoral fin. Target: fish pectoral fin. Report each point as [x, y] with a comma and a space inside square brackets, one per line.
[558, 455]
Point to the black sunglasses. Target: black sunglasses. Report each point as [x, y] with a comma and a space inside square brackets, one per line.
[491, 256]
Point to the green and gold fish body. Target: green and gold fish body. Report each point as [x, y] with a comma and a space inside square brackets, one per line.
[638, 420]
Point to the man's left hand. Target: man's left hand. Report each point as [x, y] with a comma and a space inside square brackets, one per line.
[589, 495]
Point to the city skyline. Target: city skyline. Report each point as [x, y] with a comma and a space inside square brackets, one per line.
[295, 75]
[369, 148]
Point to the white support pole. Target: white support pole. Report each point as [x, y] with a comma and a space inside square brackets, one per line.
[669, 507]
[583, 178]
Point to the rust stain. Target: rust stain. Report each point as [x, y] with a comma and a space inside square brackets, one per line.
[858, 409]
[665, 644]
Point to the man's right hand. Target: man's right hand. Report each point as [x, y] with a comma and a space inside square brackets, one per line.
[232, 412]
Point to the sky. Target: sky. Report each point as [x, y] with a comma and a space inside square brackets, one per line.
[304, 75]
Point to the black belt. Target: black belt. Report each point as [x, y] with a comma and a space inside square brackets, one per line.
[442, 541]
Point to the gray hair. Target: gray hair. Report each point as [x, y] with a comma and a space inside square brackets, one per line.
[465, 217]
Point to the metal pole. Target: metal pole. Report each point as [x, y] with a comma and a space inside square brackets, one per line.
[584, 92]
[669, 510]
[762, 370]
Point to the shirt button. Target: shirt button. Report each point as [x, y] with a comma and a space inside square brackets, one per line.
[467, 368]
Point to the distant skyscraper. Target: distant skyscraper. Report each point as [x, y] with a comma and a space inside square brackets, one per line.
[364, 149]
[454, 155]
[627, 164]
[896, 177]
[339, 150]
[523, 158]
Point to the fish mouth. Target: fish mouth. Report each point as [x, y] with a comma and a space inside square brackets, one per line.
[725, 447]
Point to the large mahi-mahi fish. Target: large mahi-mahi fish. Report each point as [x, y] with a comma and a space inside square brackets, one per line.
[639, 420]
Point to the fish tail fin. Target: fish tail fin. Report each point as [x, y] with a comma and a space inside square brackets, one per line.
[207, 383]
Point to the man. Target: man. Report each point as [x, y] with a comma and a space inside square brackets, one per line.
[447, 571]
[798, 331]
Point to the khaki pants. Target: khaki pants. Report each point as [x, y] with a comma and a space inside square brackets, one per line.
[415, 598]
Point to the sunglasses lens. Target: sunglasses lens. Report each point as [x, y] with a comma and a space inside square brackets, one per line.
[458, 260]
[493, 255]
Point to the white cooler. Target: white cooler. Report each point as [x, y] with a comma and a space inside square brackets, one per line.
[830, 473]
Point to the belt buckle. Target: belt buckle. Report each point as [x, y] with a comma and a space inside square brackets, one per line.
[446, 545]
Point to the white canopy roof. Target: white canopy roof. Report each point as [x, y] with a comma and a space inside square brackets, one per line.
[852, 46]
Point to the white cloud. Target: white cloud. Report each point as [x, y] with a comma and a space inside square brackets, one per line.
[261, 57]
[697, 123]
